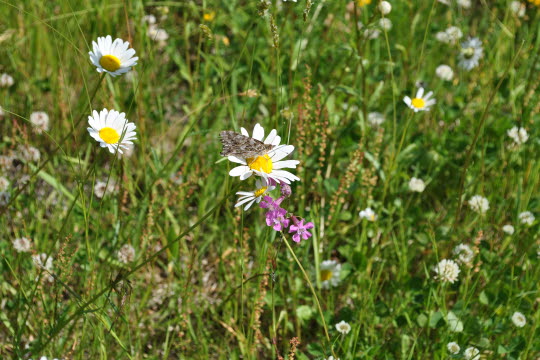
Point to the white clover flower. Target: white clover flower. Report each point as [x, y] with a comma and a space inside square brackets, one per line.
[450, 35]
[447, 271]
[526, 217]
[471, 353]
[157, 34]
[420, 102]
[6, 80]
[518, 8]
[331, 358]
[22, 244]
[519, 319]
[4, 183]
[375, 119]
[40, 120]
[464, 253]
[112, 130]
[269, 165]
[343, 327]
[330, 273]
[150, 19]
[385, 24]
[470, 54]
[518, 134]
[509, 229]
[112, 57]
[385, 7]
[479, 204]
[453, 348]
[444, 72]
[101, 188]
[126, 254]
[248, 198]
[417, 185]
[29, 153]
[368, 214]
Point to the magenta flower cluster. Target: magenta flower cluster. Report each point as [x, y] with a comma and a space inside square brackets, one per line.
[276, 216]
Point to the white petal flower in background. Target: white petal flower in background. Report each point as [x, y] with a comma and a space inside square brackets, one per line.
[6, 80]
[518, 8]
[519, 319]
[343, 327]
[526, 217]
[375, 119]
[40, 120]
[417, 185]
[330, 273]
[385, 24]
[444, 72]
[112, 57]
[450, 36]
[464, 254]
[126, 254]
[112, 130]
[447, 271]
[509, 229]
[385, 7]
[471, 353]
[102, 188]
[518, 134]
[470, 54]
[22, 244]
[4, 183]
[368, 214]
[453, 348]
[479, 204]
[420, 102]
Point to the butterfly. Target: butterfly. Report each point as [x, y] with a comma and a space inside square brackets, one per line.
[242, 146]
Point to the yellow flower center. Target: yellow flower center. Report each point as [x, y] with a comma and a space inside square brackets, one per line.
[261, 191]
[326, 275]
[110, 62]
[363, 2]
[418, 103]
[109, 135]
[468, 52]
[260, 163]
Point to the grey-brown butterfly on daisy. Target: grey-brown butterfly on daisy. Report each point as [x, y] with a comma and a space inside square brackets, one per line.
[257, 155]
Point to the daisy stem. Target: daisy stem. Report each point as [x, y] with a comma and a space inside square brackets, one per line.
[312, 291]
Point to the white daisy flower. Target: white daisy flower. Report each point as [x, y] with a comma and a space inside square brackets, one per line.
[471, 353]
[417, 185]
[6, 80]
[466, 4]
[518, 134]
[40, 120]
[471, 53]
[509, 229]
[385, 7]
[447, 271]
[526, 217]
[330, 273]
[519, 319]
[248, 198]
[112, 130]
[343, 327]
[270, 165]
[444, 72]
[420, 102]
[453, 347]
[112, 57]
[450, 35]
[375, 119]
[368, 214]
[22, 244]
[479, 204]
[157, 34]
[464, 253]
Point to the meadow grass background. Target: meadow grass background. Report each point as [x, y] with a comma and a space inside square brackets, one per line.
[226, 286]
